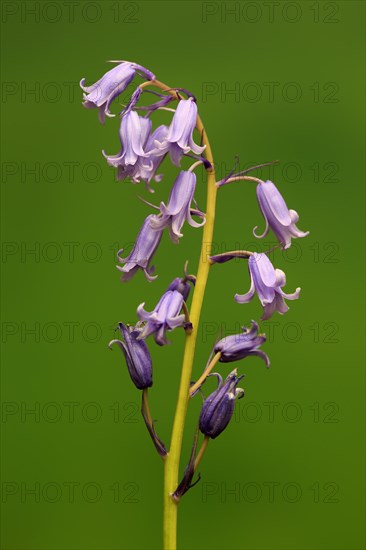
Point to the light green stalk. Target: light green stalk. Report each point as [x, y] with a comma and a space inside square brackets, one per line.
[172, 461]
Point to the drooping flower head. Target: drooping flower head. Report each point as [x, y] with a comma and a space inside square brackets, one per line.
[277, 216]
[147, 242]
[138, 158]
[164, 317]
[179, 140]
[137, 356]
[267, 282]
[238, 346]
[146, 167]
[134, 132]
[218, 408]
[147, 172]
[101, 94]
[178, 209]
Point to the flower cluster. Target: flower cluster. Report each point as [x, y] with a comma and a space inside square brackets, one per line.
[143, 149]
[267, 282]
[218, 408]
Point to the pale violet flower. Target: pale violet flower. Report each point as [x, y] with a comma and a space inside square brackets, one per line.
[238, 346]
[147, 242]
[277, 216]
[138, 158]
[180, 137]
[134, 132]
[101, 94]
[154, 158]
[165, 317]
[267, 282]
[178, 209]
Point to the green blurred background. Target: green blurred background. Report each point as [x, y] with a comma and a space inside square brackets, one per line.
[78, 469]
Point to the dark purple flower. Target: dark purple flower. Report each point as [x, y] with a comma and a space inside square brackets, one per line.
[166, 316]
[277, 216]
[267, 282]
[180, 137]
[239, 346]
[137, 356]
[218, 408]
[178, 209]
[147, 242]
[112, 84]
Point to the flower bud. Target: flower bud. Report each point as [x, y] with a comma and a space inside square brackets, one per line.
[218, 408]
[137, 356]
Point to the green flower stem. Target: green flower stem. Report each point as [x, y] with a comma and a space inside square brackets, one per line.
[244, 178]
[202, 378]
[173, 458]
[201, 452]
[146, 415]
[171, 465]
